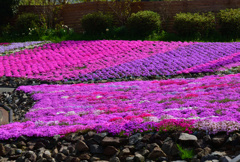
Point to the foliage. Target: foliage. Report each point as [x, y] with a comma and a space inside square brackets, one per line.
[42, 2]
[143, 23]
[190, 24]
[7, 9]
[229, 21]
[96, 23]
[121, 10]
[26, 21]
[185, 153]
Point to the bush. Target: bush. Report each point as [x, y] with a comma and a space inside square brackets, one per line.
[96, 23]
[191, 24]
[143, 23]
[26, 21]
[229, 21]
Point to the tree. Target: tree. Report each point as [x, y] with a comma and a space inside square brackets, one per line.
[7, 9]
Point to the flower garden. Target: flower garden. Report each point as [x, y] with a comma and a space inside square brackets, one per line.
[210, 103]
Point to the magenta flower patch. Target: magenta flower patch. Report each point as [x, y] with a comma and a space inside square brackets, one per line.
[135, 106]
[108, 59]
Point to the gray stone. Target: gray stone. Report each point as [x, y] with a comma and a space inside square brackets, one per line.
[47, 154]
[60, 157]
[139, 145]
[134, 138]
[85, 156]
[151, 146]
[156, 153]
[130, 159]
[114, 141]
[125, 152]
[225, 159]
[99, 137]
[219, 140]
[110, 150]
[218, 153]
[114, 159]
[206, 151]
[209, 157]
[18, 151]
[2, 150]
[56, 137]
[139, 158]
[143, 152]
[42, 160]
[31, 155]
[187, 137]
[96, 149]
[167, 145]
[81, 146]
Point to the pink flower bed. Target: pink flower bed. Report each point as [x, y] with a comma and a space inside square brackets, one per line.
[211, 103]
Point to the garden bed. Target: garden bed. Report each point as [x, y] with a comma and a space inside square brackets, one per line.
[146, 101]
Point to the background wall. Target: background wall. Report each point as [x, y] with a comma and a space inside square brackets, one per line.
[72, 13]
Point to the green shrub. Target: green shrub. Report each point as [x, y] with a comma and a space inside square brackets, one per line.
[191, 24]
[27, 21]
[96, 23]
[143, 23]
[229, 21]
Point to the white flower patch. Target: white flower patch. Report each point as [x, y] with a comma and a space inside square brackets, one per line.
[99, 96]
[151, 118]
[97, 112]
[65, 97]
[60, 112]
[70, 113]
[181, 108]
[144, 101]
[39, 123]
[53, 122]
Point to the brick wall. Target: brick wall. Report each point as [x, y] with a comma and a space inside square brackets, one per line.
[72, 13]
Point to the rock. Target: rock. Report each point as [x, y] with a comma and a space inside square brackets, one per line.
[134, 138]
[218, 153]
[206, 151]
[130, 159]
[187, 137]
[42, 160]
[139, 145]
[151, 146]
[18, 151]
[56, 138]
[114, 159]
[219, 140]
[125, 152]
[156, 153]
[167, 145]
[2, 150]
[99, 137]
[60, 157]
[96, 149]
[64, 150]
[225, 159]
[47, 154]
[54, 152]
[81, 146]
[139, 158]
[85, 156]
[114, 141]
[209, 157]
[31, 155]
[236, 159]
[39, 145]
[110, 150]
[143, 152]
[20, 144]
